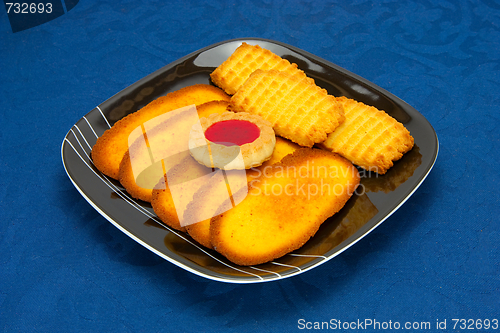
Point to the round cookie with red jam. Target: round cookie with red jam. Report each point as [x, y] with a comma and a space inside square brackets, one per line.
[232, 141]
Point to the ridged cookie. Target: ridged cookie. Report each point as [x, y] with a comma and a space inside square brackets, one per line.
[369, 138]
[233, 72]
[297, 108]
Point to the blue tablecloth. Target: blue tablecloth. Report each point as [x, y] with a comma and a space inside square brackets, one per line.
[66, 268]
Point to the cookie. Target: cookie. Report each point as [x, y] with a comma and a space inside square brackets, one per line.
[297, 108]
[235, 70]
[369, 137]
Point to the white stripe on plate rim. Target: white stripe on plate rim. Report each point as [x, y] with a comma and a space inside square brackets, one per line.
[98, 108]
[307, 255]
[280, 264]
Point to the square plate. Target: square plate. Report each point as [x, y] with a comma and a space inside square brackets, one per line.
[376, 198]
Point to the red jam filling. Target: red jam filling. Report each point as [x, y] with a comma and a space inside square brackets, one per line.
[232, 132]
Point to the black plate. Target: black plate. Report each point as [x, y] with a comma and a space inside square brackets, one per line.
[377, 198]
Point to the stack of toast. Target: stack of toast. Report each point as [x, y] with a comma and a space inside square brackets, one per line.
[279, 205]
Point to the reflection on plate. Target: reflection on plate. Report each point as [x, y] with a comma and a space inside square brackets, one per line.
[377, 198]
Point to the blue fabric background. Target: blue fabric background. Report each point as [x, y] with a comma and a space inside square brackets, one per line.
[65, 268]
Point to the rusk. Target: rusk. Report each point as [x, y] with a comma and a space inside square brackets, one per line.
[284, 207]
[110, 147]
[141, 186]
[201, 231]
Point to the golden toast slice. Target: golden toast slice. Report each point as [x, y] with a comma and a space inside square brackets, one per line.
[201, 231]
[141, 186]
[186, 176]
[233, 72]
[212, 198]
[369, 138]
[284, 207]
[282, 148]
[110, 147]
[297, 108]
